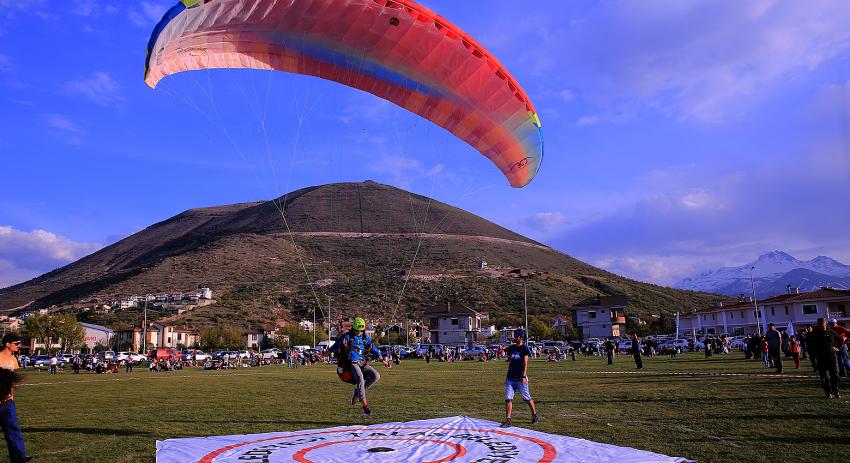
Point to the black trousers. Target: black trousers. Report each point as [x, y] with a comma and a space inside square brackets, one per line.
[776, 357]
[638, 360]
[828, 370]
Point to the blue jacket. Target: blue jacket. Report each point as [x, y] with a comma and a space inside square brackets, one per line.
[358, 346]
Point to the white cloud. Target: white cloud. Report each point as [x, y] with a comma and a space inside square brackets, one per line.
[149, 15]
[66, 126]
[85, 7]
[698, 60]
[24, 255]
[700, 199]
[5, 63]
[545, 221]
[20, 4]
[566, 95]
[587, 120]
[60, 122]
[98, 87]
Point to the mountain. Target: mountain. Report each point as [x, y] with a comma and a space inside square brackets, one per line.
[364, 247]
[772, 273]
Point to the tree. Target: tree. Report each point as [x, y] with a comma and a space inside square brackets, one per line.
[221, 337]
[61, 328]
[71, 334]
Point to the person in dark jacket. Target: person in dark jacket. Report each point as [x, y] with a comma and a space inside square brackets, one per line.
[609, 351]
[636, 350]
[774, 346]
[822, 345]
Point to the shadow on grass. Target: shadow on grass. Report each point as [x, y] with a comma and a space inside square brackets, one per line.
[710, 400]
[91, 431]
[281, 422]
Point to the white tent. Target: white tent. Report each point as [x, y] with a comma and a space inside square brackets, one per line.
[790, 329]
[456, 439]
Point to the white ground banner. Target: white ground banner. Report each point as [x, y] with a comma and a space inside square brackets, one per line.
[457, 439]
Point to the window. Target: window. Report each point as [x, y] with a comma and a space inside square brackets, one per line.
[773, 310]
[604, 326]
[713, 317]
[786, 310]
[591, 314]
[731, 315]
[454, 321]
[742, 314]
[602, 311]
[704, 317]
[810, 309]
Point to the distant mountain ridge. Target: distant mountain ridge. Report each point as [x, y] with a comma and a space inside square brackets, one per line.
[352, 245]
[772, 273]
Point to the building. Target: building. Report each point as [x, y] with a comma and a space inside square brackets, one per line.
[600, 317]
[254, 338]
[506, 334]
[97, 335]
[133, 337]
[454, 325]
[205, 293]
[161, 335]
[9, 323]
[742, 318]
[562, 325]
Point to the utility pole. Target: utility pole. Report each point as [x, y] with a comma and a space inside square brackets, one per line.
[330, 320]
[755, 303]
[314, 328]
[525, 304]
[145, 328]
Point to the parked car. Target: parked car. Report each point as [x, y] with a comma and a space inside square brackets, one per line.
[163, 353]
[272, 353]
[422, 350]
[40, 360]
[194, 354]
[474, 351]
[105, 355]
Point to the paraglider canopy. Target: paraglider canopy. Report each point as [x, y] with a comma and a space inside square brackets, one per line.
[397, 50]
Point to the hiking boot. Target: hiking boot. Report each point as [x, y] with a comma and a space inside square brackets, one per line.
[535, 418]
[506, 424]
[366, 411]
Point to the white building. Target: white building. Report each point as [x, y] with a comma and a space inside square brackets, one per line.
[800, 310]
[205, 293]
[600, 317]
[96, 334]
[454, 325]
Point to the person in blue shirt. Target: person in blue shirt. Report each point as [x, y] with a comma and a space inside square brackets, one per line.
[517, 378]
[352, 349]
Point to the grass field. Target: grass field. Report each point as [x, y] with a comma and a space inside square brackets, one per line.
[707, 417]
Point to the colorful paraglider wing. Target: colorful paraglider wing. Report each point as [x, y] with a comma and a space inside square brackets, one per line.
[394, 49]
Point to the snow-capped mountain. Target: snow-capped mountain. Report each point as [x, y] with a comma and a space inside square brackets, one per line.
[771, 272]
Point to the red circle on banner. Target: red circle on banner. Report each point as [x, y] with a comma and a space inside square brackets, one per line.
[301, 455]
[549, 451]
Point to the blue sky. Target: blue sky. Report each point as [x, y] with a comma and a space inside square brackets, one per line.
[680, 135]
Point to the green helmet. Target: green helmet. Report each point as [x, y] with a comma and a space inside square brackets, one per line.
[359, 324]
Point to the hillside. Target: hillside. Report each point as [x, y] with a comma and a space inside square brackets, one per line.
[357, 242]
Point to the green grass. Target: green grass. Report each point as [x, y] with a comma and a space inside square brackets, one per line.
[117, 418]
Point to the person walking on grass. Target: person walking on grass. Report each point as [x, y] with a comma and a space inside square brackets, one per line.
[516, 381]
[842, 334]
[794, 348]
[353, 347]
[774, 346]
[8, 412]
[822, 345]
[636, 350]
[609, 351]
